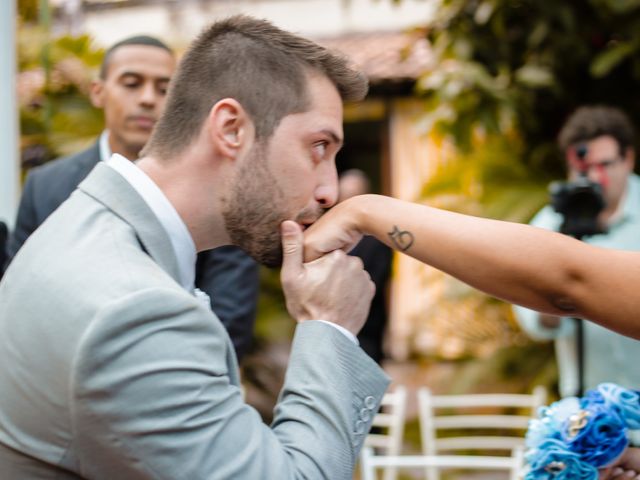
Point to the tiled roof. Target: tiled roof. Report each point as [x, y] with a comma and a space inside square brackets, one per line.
[385, 56]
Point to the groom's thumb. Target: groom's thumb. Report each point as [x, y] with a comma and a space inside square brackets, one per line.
[291, 249]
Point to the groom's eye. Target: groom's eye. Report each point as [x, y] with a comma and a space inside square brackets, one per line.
[320, 149]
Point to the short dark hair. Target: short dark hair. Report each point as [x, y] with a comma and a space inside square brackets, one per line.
[136, 40]
[593, 121]
[261, 66]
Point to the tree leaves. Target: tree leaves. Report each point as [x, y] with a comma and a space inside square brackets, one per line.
[56, 115]
[537, 61]
[610, 58]
[534, 76]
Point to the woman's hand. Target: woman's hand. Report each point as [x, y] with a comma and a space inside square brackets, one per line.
[626, 467]
[338, 229]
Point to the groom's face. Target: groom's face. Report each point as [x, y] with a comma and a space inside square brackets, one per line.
[289, 176]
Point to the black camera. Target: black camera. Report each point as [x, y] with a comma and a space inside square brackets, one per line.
[579, 202]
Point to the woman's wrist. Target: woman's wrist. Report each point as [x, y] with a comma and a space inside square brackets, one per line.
[364, 212]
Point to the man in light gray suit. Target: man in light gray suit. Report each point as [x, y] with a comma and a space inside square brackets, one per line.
[112, 367]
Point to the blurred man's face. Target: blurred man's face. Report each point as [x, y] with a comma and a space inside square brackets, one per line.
[133, 95]
[291, 177]
[351, 186]
[607, 166]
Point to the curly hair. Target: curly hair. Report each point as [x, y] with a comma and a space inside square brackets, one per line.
[589, 122]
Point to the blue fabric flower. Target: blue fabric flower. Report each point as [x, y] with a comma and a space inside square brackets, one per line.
[574, 437]
[627, 401]
[550, 421]
[553, 461]
[597, 432]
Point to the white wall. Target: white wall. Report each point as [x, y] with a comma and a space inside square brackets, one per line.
[180, 22]
[9, 155]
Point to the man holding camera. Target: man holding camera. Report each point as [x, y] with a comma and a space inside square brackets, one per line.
[598, 143]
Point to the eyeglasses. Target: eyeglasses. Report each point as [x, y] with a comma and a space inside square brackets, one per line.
[602, 165]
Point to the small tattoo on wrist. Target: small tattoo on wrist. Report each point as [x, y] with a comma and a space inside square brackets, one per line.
[401, 239]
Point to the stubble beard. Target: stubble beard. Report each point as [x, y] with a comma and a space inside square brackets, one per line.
[254, 211]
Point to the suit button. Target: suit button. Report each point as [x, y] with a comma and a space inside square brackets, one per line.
[359, 430]
[365, 414]
[370, 402]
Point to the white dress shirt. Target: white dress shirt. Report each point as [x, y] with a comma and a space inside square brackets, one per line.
[183, 246]
[103, 146]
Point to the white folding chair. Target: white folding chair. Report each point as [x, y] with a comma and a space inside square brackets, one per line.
[387, 440]
[370, 463]
[500, 430]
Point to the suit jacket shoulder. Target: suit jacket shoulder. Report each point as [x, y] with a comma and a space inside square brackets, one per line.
[53, 182]
[46, 187]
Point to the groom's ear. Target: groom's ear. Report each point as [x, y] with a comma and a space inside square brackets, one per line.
[229, 127]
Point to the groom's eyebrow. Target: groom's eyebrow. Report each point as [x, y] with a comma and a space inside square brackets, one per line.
[335, 138]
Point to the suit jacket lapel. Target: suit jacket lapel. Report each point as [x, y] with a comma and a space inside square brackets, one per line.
[109, 188]
[86, 161]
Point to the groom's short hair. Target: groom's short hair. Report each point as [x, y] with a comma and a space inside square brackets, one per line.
[261, 66]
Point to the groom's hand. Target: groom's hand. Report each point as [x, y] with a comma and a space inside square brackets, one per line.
[334, 287]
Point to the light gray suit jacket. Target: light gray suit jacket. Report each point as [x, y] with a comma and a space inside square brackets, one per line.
[110, 370]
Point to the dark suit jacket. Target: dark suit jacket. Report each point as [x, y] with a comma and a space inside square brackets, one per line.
[226, 274]
[376, 257]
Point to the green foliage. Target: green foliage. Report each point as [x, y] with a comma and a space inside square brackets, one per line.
[56, 115]
[28, 9]
[505, 76]
[526, 64]
[488, 180]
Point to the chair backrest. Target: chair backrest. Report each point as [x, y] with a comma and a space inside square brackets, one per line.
[388, 427]
[371, 463]
[495, 423]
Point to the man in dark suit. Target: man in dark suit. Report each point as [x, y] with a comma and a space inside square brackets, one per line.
[131, 90]
[376, 257]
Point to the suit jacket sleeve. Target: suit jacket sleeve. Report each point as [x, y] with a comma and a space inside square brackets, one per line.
[230, 278]
[152, 398]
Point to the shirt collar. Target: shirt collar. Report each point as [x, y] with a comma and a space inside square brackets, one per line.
[105, 149]
[169, 218]
[103, 145]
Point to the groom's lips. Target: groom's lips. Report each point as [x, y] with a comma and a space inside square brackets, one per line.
[308, 219]
[307, 223]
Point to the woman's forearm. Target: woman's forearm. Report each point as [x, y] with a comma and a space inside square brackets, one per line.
[542, 270]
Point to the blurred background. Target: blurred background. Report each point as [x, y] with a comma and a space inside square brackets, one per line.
[466, 100]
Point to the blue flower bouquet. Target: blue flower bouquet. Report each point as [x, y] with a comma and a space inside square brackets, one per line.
[574, 437]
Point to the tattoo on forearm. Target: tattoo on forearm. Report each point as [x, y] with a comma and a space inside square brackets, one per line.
[401, 239]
